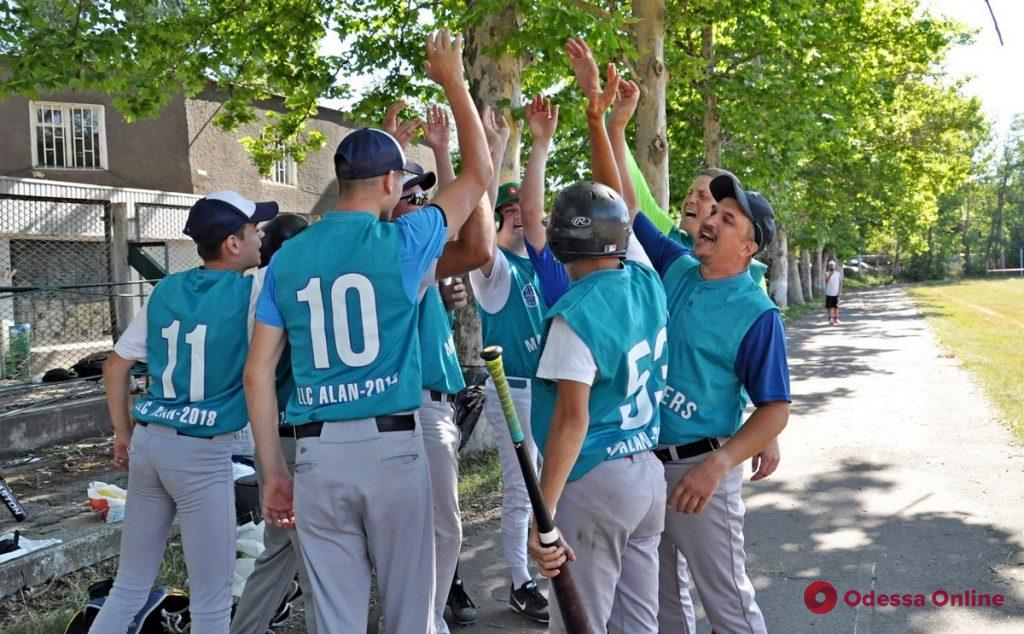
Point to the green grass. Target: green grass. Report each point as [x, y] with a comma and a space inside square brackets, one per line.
[982, 323]
[479, 477]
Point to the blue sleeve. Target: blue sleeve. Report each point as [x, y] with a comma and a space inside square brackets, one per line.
[761, 360]
[267, 310]
[554, 281]
[423, 234]
[662, 250]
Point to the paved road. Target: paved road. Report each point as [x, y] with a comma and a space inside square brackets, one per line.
[896, 477]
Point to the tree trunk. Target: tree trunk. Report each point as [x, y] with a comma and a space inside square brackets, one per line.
[497, 79]
[492, 80]
[795, 293]
[651, 134]
[712, 119]
[778, 272]
[818, 270]
[805, 274]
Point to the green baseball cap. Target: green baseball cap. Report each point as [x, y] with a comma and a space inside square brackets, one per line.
[507, 193]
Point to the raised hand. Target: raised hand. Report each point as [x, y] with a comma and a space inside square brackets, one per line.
[583, 65]
[437, 130]
[403, 131]
[625, 104]
[542, 118]
[598, 101]
[495, 128]
[444, 58]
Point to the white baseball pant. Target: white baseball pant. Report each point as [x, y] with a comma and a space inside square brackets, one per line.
[515, 502]
[708, 545]
[170, 474]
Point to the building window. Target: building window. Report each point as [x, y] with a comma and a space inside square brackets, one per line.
[283, 172]
[68, 135]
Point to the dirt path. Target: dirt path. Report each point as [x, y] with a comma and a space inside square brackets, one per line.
[896, 477]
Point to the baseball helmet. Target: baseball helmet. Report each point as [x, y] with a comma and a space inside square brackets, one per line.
[276, 231]
[588, 220]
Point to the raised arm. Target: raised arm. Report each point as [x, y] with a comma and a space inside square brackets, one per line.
[475, 245]
[436, 136]
[622, 111]
[497, 130]
[444, 66]
[602, 161]
[542, 119]
[403, 131]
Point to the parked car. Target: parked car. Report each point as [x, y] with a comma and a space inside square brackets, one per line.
[857, 265]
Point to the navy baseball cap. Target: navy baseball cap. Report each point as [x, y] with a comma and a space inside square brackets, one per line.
[754, 205]
[370, 152]
[213, 218]
[418, 176]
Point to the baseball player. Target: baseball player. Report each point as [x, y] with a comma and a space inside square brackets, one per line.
[511, 311]
[194, 333]
[595, 414]
[713, 366]
[345, 295]
[275, 569]
[442, 376]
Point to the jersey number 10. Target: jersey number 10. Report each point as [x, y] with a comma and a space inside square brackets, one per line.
[313, 296]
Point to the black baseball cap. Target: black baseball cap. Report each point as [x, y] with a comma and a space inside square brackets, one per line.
[754, 205]
[213, 218]
[370, 152]
[417, 175]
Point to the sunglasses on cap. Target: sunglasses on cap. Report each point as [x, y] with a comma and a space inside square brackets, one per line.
[415, 198]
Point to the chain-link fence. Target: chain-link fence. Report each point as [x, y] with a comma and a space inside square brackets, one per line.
[56, 289]
[158, 235]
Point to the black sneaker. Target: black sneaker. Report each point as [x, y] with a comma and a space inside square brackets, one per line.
[529, 601]
[462, 607]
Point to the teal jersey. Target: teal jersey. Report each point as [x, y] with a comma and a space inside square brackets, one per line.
[351, 324]
[707, 322]
[757, 268]
[441, 369]
[197, 340]
[517, 326]
[620, 315]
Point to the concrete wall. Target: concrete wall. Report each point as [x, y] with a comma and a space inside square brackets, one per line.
[150, 154]
[227, 164]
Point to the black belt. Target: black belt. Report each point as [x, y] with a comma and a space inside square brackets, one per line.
[689, 450]
[441, 397]
[391, 422]
[145, 423]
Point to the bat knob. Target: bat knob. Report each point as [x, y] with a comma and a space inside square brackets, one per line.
[490, 353]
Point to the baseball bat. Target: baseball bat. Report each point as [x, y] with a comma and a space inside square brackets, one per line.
[566, 592]
[11, 501]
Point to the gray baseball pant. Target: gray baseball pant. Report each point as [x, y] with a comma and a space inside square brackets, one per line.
[275, 568]
[515, 501]
[441, 441]
[362, 499]
[708, 545]
[169, 474]
[612, 518]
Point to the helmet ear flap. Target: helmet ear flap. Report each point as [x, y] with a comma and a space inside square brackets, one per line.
[499, 220]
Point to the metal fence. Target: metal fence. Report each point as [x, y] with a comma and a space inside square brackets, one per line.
[65, 291]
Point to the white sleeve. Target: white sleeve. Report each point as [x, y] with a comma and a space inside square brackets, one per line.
[257, 286]
[429, 279]
[492, 291]
[565, 356]
[132, 344]
[635, 252]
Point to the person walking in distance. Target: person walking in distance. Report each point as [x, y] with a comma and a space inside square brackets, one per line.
[833, 289]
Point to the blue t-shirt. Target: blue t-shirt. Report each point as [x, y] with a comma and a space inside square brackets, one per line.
[761, 359]
[551, 274]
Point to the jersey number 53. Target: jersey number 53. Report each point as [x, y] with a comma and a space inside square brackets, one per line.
[638, 391]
